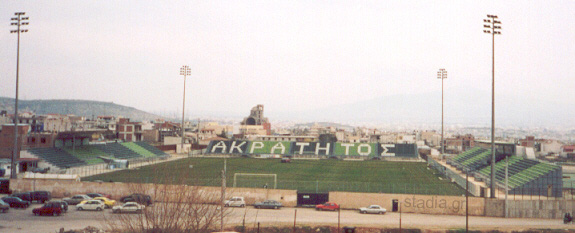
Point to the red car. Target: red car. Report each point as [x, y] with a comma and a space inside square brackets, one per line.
[327, 206]
[50, 208]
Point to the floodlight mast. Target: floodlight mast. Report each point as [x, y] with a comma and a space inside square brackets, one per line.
[185, 71]
[17, 21]
[492, 26]
[442, 74]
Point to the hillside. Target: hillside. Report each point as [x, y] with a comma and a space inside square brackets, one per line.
[85, 108]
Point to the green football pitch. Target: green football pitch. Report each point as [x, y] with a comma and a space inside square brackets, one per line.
[302, 175]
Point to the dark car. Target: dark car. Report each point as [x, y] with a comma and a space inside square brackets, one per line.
[41, 196]
[139, 198]
[94, 195]
[49, 209]
[76, 199]
[268, 204]
[4, 207]
[16, 202]
[63, 204]
[24, 196]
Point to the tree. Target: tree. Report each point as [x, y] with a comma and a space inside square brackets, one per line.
[177, 208]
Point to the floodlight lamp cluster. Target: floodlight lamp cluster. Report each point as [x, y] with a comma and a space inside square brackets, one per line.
[442, 74]
[19, 21]
[492, 26]
[185, 70]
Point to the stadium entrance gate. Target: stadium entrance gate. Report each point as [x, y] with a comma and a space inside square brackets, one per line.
[311, 199]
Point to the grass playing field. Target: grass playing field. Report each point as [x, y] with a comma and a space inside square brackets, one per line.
[303, 175]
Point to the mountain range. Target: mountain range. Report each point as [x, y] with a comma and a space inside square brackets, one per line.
[466, 106]
[463, 106]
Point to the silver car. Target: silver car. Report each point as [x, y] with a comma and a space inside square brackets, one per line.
[129, 207]
[235, 201]
[372, 209]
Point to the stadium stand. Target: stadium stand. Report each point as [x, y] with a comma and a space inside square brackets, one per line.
[117, 150]
[88, 154]
[138, 149]
[67, 157]
[525, 176]
[57, 157]
[151, 148]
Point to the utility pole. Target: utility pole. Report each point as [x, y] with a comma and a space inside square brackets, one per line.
[492, 26]
[185, 71]
[17, 21]
[467, 201]
[223, 195]
[442, 74]
[506, 186]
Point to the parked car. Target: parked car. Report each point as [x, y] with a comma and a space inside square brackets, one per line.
[40, 170]
[108, 202]
[327, 206]
[286, 160]
[24, 196]
[76, 199]
[48, 209]
[63, 204]
[268, 204]
[91, 205]
[16, 202]
[372, 209]
[129, 207]
[94, 195]
[139, 198]
[235, 201]
[41, 196]
[4, 207]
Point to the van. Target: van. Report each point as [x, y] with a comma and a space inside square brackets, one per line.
[41, 196]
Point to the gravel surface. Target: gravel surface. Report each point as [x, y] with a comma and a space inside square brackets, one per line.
[22, 220]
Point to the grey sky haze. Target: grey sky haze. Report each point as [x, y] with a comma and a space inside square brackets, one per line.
[287, 55]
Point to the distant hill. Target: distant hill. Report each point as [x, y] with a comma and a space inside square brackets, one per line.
[86, 108]
[467, 106]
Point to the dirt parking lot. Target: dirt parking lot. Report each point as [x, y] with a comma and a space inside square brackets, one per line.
[22, 220]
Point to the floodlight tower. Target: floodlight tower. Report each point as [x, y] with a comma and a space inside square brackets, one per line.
[442, 74]
[492, 26]
[17, 21]
[185, 71]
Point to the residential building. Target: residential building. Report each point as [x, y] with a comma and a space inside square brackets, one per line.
[129, 131]
[551, 147]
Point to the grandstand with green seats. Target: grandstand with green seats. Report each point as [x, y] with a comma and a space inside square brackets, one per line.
[525, 176]
[319, 149]
[84, 155]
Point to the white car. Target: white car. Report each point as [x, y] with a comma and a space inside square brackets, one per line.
[91, 205]
[129, 207]
[372, 209]
[235, 201]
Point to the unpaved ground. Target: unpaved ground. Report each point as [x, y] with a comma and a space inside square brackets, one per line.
[18, 220]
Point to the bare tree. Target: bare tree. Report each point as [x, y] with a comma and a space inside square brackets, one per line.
[177, 208]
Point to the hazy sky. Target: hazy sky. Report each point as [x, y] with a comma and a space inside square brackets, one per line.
[287, 55]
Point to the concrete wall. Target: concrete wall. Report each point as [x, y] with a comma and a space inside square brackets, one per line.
[553, 209]
[62, 189]
[424, 204]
